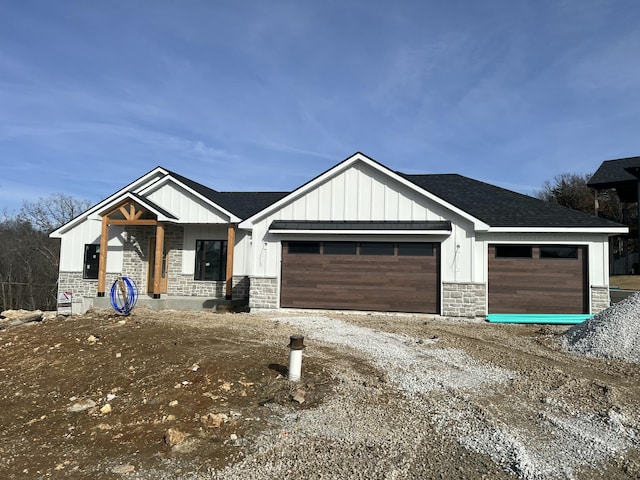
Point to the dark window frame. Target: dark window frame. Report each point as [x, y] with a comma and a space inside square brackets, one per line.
[416, 249]
[574, 255]
[513, 251]
[92, 249]
[340, 248]
[304, 248]
[210, 273]
[378, 249]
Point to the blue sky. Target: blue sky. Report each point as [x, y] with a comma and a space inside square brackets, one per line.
[265, 95]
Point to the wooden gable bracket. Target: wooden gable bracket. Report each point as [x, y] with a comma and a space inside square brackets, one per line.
[132, 214]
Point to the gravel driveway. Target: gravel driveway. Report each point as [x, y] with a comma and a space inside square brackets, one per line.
[435, 410]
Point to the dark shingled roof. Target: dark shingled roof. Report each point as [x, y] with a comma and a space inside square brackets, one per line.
[499, 207]
[617, 174]
[247, 204]
[492, 205]
[359, 225]
[241, 204]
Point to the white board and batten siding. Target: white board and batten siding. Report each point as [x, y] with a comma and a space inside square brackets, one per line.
[359, 193]
[192, 233]
[182, 204]
[88, 232]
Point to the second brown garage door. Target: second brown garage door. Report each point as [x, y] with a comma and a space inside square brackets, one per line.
[538, 279]
[379, 276]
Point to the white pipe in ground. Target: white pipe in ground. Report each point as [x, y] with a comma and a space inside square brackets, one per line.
[295, 357]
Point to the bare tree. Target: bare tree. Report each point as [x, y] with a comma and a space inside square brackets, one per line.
[571, 190]
[29, 259]
[47, 214]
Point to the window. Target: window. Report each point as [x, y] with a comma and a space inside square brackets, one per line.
[340, 248]
[304, 247]
[376, 248]
[91, 261]
[413, 249]
[211, 260]
[558, 252]
[514, 251]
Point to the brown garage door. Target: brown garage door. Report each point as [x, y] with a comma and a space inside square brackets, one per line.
[380, 276]
[538, 279]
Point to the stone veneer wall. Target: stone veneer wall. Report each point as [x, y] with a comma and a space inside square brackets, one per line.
[185, 285]
[81, 287]
[135, 265]
[179, 284]
[600, 299]
[464, 299]
[241, 286]
[263, 292]
[135, 254]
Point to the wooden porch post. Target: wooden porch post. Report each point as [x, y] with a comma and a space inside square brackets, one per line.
[231, 241]
[102, 260]
[157, 267]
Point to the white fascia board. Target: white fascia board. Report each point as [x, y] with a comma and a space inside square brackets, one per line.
[249, 222]
[97, 214]
[608, 230]
[169, 178]
[360, 232]
[136, 184]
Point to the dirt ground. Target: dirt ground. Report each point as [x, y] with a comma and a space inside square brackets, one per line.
[208, 382]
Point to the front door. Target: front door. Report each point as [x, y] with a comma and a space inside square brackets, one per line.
[151, 266]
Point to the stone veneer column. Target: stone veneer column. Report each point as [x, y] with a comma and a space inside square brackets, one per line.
[600, 299]
[174, 235]
[135, 254]
[241, 287]
[263, 292]
[464, 299]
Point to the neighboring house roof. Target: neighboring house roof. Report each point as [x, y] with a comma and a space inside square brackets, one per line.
[617, 174]
[612, 172]
[499, 207]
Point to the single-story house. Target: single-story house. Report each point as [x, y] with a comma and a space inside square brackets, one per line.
[359, 236]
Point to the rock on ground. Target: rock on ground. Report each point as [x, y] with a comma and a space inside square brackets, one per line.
[613, 333]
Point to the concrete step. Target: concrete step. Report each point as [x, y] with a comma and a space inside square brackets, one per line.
[180, 303]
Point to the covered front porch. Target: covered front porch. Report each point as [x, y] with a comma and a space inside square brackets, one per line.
[153, 244]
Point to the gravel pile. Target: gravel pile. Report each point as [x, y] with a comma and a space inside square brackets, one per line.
[613, 333]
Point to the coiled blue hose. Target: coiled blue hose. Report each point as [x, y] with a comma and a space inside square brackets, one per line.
[124, 295]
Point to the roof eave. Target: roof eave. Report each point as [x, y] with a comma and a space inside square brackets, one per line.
[232, 217]
[247, 224]
[605, 230]
[57, 233]
[357, 232]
